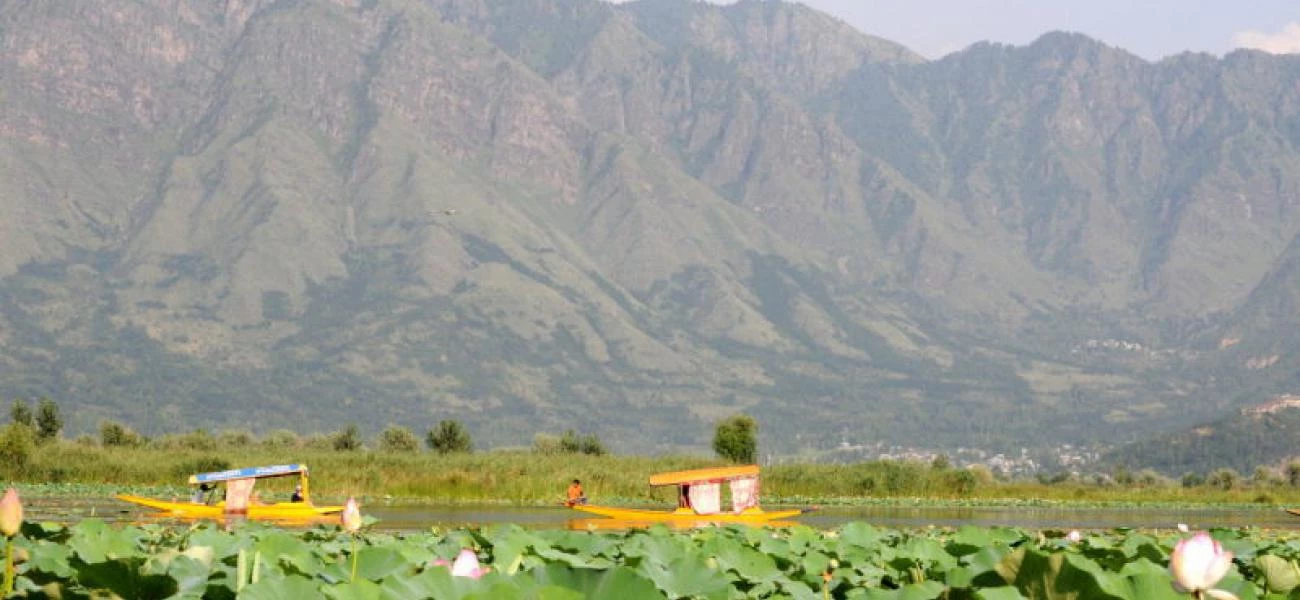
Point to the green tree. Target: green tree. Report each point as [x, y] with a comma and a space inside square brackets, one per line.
[545, 443]
[960, 481]
[21, 413]
[736, 439]
[281, 438]
[398, 439]
[449, 437]
[1122, 476]
[574, 443]
[1264, 476]
[1191, 480]
[1293, 473]
[234, 438]
[112, 433]
[591, 444]
[1150, 478]
[569, 443]
[17, 443]
[48, 421]
[1224, 479]
[347, 440]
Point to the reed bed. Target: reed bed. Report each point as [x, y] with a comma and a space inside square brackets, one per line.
[524, 478]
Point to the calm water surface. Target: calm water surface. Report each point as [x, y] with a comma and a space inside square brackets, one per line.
[419, 518]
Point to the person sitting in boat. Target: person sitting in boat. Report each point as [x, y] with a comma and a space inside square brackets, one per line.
[684, 496]
[201, 493]
[576, 495]
[297, 494]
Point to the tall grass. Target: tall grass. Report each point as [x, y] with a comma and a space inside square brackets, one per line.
[517, 477]
[524, 477]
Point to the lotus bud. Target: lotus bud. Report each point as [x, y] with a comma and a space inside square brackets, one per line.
[1198, 563]
[11, 513]
[351, 516]
[467, 565]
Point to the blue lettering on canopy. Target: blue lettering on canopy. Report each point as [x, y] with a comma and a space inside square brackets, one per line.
[245, 473]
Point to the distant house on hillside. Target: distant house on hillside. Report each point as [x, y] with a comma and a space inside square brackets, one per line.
[1277, 403]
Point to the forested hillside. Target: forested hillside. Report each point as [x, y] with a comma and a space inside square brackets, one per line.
[632, 220]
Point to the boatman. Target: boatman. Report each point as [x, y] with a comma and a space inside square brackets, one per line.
[297, 494]
[576, 496]
[201, 493]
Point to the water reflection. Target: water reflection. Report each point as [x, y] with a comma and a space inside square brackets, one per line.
[602, 524]
[1054, 518]
[421, 518]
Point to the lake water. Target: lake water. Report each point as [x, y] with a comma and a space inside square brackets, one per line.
[418, 518]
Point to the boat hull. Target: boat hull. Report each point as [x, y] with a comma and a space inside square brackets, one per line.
[280, 511]
[751, 517]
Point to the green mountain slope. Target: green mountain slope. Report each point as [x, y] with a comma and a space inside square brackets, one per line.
[1241, 442]
[632, 220]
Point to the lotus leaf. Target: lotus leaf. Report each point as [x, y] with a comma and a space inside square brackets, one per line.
[999, 593]
[1280, 575]
[859, 534]
[375, 563]
[687, 576]
[618, 582]
[928, 590]
[277, 589]
[190, 571]
[433, 583]
[969, 539]
[748, 564]
[93, 541]
[1243, 589]
[361, 589]
[50, 559]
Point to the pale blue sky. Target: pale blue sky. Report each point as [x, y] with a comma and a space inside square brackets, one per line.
[1151, 29]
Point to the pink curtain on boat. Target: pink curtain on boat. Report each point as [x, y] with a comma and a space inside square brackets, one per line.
[744, 493]
[238, 491]
[706, 498]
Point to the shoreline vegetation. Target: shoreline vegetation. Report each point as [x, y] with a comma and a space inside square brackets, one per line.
[530, 478]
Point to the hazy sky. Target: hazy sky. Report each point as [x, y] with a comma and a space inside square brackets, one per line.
[1152, 29]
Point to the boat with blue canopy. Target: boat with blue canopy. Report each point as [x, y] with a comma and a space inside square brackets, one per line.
[209, 501]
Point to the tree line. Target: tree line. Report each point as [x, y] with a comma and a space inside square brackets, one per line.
[735, 437]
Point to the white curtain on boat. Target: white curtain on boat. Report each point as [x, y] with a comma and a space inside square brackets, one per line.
[744, 493]
[706, 498]
[238, 491]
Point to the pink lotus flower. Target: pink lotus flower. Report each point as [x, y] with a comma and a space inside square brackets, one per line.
[11, 513]
[1074, 536]
[1198, 563]
[351, 516]
[466, 565]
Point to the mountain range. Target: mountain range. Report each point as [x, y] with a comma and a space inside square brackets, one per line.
[633, 220]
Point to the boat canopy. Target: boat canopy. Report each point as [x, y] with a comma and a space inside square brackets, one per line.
[700, 476]
[249, 473]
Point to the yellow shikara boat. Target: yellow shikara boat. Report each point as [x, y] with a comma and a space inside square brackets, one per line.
[700, 498]
[237, 499]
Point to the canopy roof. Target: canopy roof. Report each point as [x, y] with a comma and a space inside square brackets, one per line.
[713, 475]
[249, 473]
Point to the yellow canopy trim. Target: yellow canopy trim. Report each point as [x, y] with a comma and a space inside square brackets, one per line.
[715, 474]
